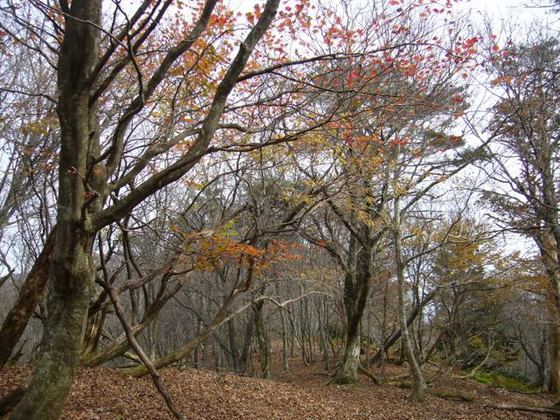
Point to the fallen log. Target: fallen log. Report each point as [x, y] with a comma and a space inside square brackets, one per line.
[531, 409]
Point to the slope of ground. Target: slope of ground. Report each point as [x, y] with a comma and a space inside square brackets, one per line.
[301, 394]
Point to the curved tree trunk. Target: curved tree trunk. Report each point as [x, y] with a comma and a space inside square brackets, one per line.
[29, 297]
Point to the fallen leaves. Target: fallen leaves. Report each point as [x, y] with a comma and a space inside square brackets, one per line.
[102, 394]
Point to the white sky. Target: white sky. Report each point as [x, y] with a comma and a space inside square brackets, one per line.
[518, 15]
[508, 11]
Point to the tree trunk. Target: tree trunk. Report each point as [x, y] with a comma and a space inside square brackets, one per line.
[62, 341]
[321, 324]
[348, 371]
[549, 255]
[553, 383]
[307, 343]
[120, 345]
[356, 292]
[247, 341]
[71, 274]
[262, 340]
[29, 297]
[94, 331]
[233, 345]
[285, 342]
[419, 383]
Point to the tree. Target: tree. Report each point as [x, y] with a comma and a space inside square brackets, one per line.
[29, 144]
[85, 167]
[525, 175]
[366, 126]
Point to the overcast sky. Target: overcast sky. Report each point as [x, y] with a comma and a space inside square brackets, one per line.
[508, 10]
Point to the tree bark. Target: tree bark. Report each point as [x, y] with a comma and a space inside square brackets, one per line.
[419, 382]
[262, 340]
[29, 297]
[70, 274]
[356, 291]
[553, 383]
[247, 341]
[549, 255]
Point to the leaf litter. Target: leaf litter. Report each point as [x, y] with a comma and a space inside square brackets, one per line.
[302, 393]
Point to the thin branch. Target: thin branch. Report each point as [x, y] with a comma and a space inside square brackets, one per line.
[140, 352]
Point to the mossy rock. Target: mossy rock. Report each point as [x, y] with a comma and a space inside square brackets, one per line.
[402, 384]
[501, 380]
[454, 395]
[343, 380]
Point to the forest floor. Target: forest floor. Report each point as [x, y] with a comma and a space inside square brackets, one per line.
[302, 393]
